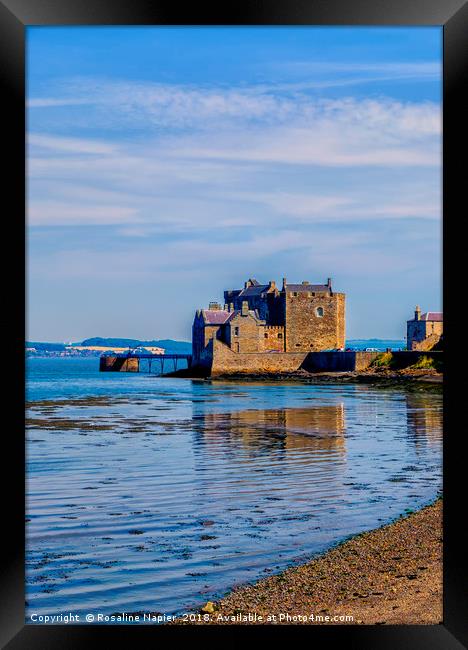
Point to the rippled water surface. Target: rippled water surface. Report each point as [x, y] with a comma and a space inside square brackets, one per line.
[149, 494]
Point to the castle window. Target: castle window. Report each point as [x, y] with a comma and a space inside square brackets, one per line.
[280, 335]
[236, 331]
[319, 312]
[266, 335]
[295, 294]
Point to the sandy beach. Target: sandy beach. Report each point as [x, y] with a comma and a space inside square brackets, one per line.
[391, 575]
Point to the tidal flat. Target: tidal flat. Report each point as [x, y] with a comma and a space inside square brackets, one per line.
[149, 494]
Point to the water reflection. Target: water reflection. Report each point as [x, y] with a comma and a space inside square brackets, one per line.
[316, 427]
[197, 487]
[424, 418]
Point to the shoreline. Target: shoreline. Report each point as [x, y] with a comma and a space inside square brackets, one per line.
[388, 575]
[378, 377]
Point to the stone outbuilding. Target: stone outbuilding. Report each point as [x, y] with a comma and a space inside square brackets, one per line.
[424, 331]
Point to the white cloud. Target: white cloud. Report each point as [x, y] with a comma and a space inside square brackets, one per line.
[161, 106]
[338, 133]
[53, 213]
[50, 102]
[218, 171]
[69, 145]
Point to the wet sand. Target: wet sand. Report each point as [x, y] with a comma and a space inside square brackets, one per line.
[391, 575]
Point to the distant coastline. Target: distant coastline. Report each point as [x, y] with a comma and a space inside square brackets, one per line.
[94, 347]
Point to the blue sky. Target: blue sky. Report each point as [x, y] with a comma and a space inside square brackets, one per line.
[167, 164]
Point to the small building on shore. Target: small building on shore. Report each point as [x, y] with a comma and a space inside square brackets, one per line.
[424, 331]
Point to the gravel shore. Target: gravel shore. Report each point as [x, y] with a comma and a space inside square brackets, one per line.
[391, 575]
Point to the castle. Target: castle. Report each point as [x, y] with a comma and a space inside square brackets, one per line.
[264, 328]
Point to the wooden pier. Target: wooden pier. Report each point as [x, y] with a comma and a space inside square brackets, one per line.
[130, 361]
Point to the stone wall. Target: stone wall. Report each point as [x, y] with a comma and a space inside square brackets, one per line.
[202, 335]
[243, 334]
[426, 344]
[272, 338]
[314, 321]
[226, 361]
[338, 361]
[219, 359]
[422, 334]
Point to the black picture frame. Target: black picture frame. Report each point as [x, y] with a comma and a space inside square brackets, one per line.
[452, 15]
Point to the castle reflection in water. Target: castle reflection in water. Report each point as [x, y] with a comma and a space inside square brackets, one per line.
[320, 427]
[424, 419]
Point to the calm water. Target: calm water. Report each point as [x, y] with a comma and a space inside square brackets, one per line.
[147, 494]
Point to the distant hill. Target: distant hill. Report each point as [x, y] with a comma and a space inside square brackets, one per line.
[185, 347]
[50, 347]
[176, 347]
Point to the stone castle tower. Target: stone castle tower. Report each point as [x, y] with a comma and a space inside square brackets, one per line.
[261, 318]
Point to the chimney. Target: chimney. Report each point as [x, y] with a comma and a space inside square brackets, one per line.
[329, 283]
[272, 284]
[214, 306]
[245, 308]
[225, 307]
[231, 306]
[247, 284]
[417, 313]
[305, 282]
[284, 284]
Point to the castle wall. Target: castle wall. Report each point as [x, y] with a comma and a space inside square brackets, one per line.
[340, 319]
[275, 308]
[338, 361]
[227, 361]
[198, 339]
[202, 335]
[243, 334]
[305, 329]
[255, 303]
[271, 338]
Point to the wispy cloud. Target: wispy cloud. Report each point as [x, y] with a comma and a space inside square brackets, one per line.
[306, 152]
[155, 105]
[219, 177]
[59, 144]
[53, 213]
